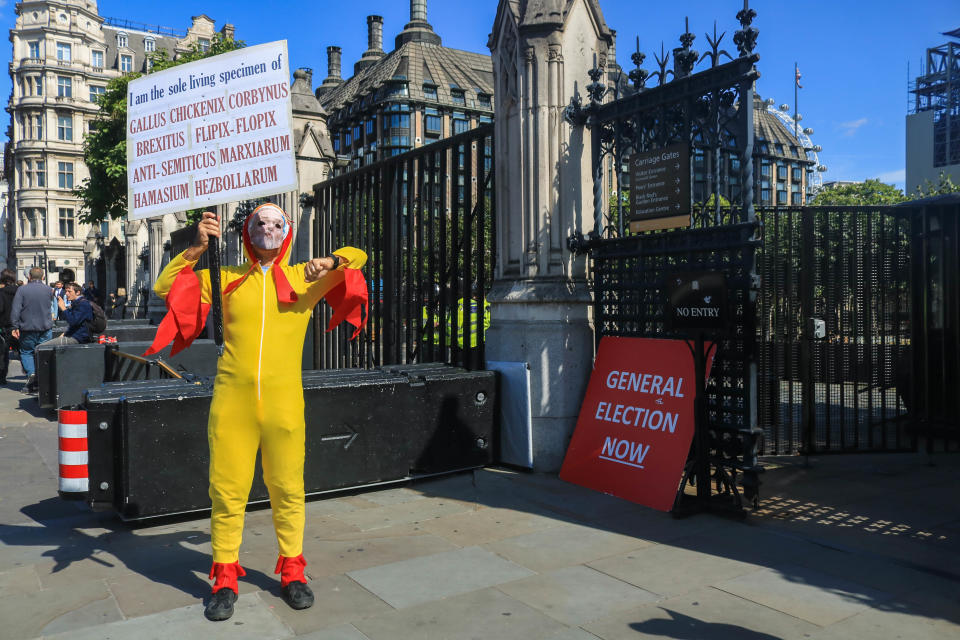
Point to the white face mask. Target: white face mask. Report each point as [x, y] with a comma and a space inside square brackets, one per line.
[267, 229]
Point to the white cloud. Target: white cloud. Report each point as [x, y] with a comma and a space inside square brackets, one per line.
[850, 128]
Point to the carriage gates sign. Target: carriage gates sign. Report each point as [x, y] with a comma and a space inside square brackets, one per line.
[636, 422]
[209, 132]
[660, 186]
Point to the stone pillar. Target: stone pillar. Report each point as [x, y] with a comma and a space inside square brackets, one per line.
[541, 298]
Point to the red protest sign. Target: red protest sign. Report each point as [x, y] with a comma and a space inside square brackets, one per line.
[636, 422]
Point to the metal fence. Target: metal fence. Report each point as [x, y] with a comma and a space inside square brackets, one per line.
[844, 329]
[425, 219]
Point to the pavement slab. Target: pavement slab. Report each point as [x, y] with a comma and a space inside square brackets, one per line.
[483, 525]
[412, 511]
[328, 557]
[707, 614]
[338, 600]
[487, 613]
[564, 545]
[251, 620]
[337, 632]
[577, 595]
[26, 614]
[418, 580]
[670, 571]
[816, 597]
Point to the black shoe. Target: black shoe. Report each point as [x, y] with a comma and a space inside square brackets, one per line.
[220, 606]
[31, 386]
[298, 595]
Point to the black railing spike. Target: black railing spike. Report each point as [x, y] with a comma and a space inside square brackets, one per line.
[715, 50]
[746, 37]
[662, 61]
[638, 76]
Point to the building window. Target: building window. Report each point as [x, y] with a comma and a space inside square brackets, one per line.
[149, 44]
[433, 124]
[781, 172]
[796, 198]
[372, 127]
[781, 197]
[32, 222]
[96, 59]
[204, 44]
[66, 222]
[765, 196]
[96, 92]
[64, 87]
[34, 49]
[796, 174]
[35, 127]
[65, 175]
[122, 40]
[483, 99]
[348, 139]
[429, 92]
[63, 52]
[34, 175]
[358, 132]
[398, 121]
[65, 128]
[460, 125]
[336, 144]
[126, 63]
[456, 96]
[41, 173]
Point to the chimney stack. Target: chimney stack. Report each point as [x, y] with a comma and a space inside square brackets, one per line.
[333, 78]
[374, 45]
[375, 34]
[418, 10]
[418, 29]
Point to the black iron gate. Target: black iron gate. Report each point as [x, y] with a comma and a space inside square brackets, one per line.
[858, 328]
[425, 219]
[833, 329]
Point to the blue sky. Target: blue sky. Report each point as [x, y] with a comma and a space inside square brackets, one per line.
[853, 55]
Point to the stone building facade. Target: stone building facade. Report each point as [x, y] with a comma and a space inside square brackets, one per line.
[412, 96]
[64, 54]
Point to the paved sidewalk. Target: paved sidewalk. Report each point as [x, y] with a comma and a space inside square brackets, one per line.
[851, 547]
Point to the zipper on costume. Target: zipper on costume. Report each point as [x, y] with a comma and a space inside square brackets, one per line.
[263, 322]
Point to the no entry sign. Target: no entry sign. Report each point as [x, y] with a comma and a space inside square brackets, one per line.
[636, 422]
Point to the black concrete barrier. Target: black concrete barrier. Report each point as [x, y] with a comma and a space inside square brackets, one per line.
[148, 451]
[66, 372]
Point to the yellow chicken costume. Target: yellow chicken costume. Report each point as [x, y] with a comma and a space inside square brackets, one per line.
[258, 393]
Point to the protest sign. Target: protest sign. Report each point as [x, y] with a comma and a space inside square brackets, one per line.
[209, 132]
[636, 422]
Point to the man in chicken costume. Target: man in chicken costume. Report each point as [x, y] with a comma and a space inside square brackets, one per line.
[258, 394]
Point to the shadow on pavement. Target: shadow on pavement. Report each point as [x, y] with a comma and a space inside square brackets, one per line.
[163, 558]
[861, 565]
[683, 627]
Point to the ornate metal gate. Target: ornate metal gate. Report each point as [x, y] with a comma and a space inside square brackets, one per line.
[710, 115]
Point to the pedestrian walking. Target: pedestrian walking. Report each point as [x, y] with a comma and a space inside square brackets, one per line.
[31, 322]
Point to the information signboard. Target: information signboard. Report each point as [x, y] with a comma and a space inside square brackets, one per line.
[636, 422]
[660, 187]
[209, 132]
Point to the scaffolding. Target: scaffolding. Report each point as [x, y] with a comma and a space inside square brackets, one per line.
[937, 89]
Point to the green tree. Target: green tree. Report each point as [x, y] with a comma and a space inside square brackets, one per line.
[943, 185]
[104, 194]
[870, 192]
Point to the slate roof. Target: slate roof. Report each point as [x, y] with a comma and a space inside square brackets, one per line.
[768, 127]
[135, 43]
[419, 63]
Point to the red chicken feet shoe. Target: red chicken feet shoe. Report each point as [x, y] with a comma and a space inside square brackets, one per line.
[225, 590]
[293, 584]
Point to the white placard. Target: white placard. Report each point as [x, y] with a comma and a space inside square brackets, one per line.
[209, 132]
